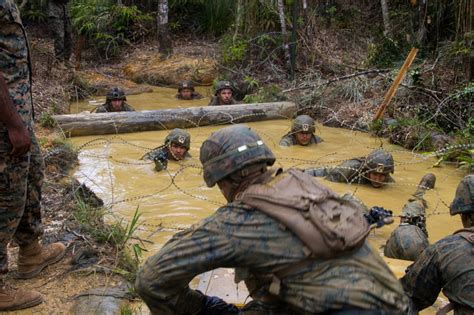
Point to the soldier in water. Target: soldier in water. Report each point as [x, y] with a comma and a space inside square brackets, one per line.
[186, 91]
[223, 95]
[115, 102]
[176, 147]
[302, 132]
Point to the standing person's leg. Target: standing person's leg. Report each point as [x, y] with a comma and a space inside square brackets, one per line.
[13, 188]
[33, 257]
[56, 25]
[67, 37]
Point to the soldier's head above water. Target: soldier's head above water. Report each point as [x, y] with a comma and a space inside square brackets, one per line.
[224, 91]
[378, 166]
[178, 142]
[303, 127]
[115, 98]
[185, 90]
[463, 202]
[231, 155]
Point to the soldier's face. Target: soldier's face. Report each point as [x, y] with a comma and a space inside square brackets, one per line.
[225, 96]
[377, 180]
[117, 105]
[178, 151]
[303, 138]
[186, 94]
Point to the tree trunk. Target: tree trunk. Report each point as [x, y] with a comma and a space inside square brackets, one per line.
[164, 39]
[386, 18]
[123, 122]
[238, 18]
[293, 45]
[284, 33]
[470, 74]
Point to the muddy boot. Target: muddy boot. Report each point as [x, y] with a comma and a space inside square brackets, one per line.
[427, 182]
[35, 257]
[16, 299]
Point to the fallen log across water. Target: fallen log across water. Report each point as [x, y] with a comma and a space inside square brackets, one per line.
[124, 122]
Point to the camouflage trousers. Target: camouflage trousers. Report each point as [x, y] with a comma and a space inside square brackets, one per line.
[62, 34]
[21, 179]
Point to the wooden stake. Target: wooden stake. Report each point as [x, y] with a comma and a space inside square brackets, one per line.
[393, 89]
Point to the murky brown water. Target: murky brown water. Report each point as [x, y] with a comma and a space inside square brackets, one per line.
[113, 170]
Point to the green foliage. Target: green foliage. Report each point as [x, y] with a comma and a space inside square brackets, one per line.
[269, 93]
[107, 25]
[384, 53]
[46, 120]
[34, 15]
[233, 51]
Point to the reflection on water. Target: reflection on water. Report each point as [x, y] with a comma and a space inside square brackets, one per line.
[177, 198]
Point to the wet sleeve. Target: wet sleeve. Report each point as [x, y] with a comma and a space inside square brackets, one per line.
[286, 142]
[316, 172]
[344, 172]
[422, 282]
[163, 280]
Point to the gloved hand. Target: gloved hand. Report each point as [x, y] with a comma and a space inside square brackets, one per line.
[212, 305]
[161, 162]
[378, 216]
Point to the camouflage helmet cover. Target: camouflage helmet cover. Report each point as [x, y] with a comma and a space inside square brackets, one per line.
[463, 201]
[188, 84]
[303, 123]
[231, 149]
[380, 161]
[115, 94]
[223, 85]
[180, 137]
[406, 242]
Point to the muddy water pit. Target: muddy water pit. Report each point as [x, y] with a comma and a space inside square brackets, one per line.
[176, 198]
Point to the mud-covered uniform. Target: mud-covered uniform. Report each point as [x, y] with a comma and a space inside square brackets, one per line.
[106, 108]
[161, 156]
[60, 25]
[229, 238]
[289, 140]
[194, 96]
[215, 101]
[21, 178]
[447, 265]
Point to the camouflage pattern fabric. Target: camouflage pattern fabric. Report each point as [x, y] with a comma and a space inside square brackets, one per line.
[289, 140]
[194, 96]
[350, 171]
[446, 265]
[20, 177]
[215, 102]
[60, 25]
[160, 156]
[106, 108]
[463, 202]
[229, 238]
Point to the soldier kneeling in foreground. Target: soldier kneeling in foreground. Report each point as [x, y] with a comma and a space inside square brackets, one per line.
[176, 147]
[115, 102]
[374, 169]
[410, 238]
[448, 264]
[302, 132]
[320, 265]
[186, 91]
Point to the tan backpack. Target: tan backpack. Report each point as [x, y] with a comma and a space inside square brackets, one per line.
[326, 223]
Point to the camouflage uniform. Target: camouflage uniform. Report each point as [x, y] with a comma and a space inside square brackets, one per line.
[355, 170]
[230, 238]
[188, 85]
[106, 108]
[20, 177]
[162, 154]
[448, 264]
[302, 123]
[60, 25]
[215, 102]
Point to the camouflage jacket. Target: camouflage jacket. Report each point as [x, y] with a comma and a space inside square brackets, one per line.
[350, 171]
[229, 238]
[446, 265]
[105, 108]
[58, 9]
[215, 102]
[15, 60]
[160, 156]
[194, 96]
[290, 139]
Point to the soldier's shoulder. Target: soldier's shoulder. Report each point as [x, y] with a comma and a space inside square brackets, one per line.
[287, 140]
[213, 101]
[101, 109]
[197, 96]
[128, 108]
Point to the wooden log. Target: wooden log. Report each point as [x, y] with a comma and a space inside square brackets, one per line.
[124, 122]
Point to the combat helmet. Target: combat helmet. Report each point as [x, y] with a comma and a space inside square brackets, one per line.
[303, 123]
[188, 84]
[463, 201]
[406, 242]
[115, 94]
[380, 161]
[231, 149]
[180, 137]
[223, 85]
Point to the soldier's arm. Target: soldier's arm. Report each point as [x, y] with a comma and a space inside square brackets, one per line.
[286, 141]
[422, 282]
[17, 132]
[344, 172]
[316, 171]
[163, 280]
